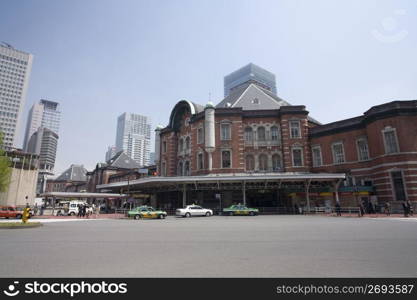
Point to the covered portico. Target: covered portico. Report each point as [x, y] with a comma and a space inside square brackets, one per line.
[220, 190]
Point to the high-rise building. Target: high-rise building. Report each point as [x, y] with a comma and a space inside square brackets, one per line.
[111, 151]
[43, 114]
[44, 142]
[15, 68]
[250, 73]
[134, 137]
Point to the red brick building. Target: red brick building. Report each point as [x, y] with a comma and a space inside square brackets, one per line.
[254, 147]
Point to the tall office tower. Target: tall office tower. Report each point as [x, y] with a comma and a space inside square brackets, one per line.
[15, 68]
[111, 152]
[44, 142]
[134, 137]
[250, 74]
[43, 114]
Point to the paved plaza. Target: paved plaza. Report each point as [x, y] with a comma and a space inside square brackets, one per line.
[261, 246]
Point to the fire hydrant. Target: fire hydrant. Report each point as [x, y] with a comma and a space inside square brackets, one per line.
[26, 214]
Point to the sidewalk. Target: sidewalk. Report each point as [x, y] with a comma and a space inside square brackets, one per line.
[101, 216]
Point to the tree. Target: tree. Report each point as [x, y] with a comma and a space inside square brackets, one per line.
[5, 169]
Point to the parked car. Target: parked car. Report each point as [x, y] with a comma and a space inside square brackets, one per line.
[146, 212]
[240, 209]
[10, 212]
[192, 211]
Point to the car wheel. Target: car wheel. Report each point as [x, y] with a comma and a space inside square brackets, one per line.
[136, 217]
[162, 216]
[72, 213]
[251, 213]
[18, 216]
[208, 214]
[231, 213]
[187, 215]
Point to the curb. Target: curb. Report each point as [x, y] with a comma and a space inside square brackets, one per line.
[22, 227]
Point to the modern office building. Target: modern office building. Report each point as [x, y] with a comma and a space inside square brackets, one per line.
[15, 68]
[44, 142]
[111, 151]
[250, 73]
[134, 137]
[45, 114]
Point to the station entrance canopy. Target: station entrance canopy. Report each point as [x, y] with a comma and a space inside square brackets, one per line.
[291, 182]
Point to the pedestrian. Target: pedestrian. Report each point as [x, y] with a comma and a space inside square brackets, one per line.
[387, 208]
[405, 208]
[296, 209]
[361, 209]
[83, 210]
[35, 209]
[80, 210]
[410, 208]
[338, 209]
[97, 211]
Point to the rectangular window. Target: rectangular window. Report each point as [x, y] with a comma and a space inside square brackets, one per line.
[225, 132]
[295, 131]
[390, 139]
[164, 147]
[200, 135]
[226, 159]
[317, 158]
[363, 152]
[398, 183]
[338, 153]
[297, 157]
[200, 161]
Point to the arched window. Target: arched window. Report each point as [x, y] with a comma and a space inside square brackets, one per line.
[187, 168]
[261, 134]
[250, 163]
[274, 133]
[164, 169]
[187, 143]
[263, 162]
[179, 171]
[248, 134]
[276, 162]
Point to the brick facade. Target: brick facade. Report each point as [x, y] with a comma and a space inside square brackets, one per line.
[264, 141]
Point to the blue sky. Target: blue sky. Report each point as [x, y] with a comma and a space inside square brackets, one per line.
[100, 58]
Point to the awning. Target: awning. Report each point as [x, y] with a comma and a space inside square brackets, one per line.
[154, 181]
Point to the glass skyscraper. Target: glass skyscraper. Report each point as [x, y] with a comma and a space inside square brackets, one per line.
[45, 114]
[250, 73]
[15, 68]
[134, 137]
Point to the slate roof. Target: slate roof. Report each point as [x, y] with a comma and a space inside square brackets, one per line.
[73, 173]
[123, 161]
[251, 96]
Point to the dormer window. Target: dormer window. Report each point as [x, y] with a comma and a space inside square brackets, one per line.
[255, 101]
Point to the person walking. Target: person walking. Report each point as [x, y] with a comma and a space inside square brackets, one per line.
[405, 208]
[361, 209]
[338, 209]
[410, 208]
[97, 211]
[387, 208]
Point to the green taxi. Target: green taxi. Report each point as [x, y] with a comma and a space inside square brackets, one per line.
[240, 210]
[146, 212]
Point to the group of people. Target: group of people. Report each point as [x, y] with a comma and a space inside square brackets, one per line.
[85, 211]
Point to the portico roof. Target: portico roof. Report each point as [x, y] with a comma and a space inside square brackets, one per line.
[237, 177]
[82, 195]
